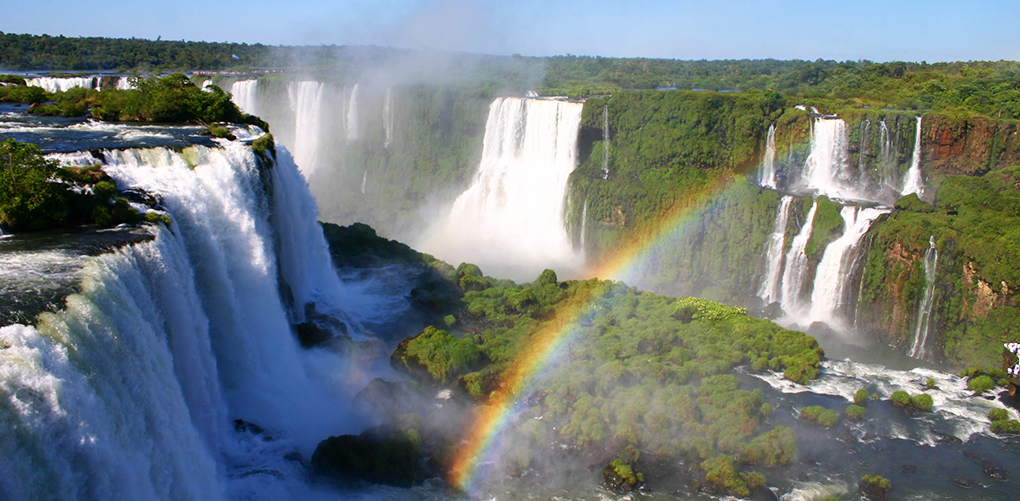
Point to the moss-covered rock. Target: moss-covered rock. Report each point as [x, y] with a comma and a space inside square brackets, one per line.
[820, 415]
[620, 477]
[875, 487]
[436, 357]
[900, 398]
[854, 411]
[1006, 427]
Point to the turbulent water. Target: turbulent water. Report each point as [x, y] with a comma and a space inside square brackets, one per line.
[510, 221]
[130, 391]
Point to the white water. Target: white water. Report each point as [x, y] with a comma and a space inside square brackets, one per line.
[836, 265]
[124, 83]
[244, 93]
[913, 182]
[955, 408]
[306, 101]
[796, 266]
[923, 322]
[769, 291]
[387, 120]
[826, 168]
[768, 163]
[61, 84]
[511, 218]
[364, 180]
[129, 392]
[353, 130]
[584, 225]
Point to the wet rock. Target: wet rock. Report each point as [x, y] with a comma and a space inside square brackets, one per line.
[242, 426]
[379, 455]
[945, 438]
[963, 482]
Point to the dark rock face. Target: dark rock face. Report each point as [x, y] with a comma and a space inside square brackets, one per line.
[379, 455]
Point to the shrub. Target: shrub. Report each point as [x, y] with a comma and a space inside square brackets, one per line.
[922, 402]
[998, 414]
[1006, 427]
[818, 414]
[855, 411]
[900, 398]
[766, 409]
[861, 396]
[930, 384]
[981, 384]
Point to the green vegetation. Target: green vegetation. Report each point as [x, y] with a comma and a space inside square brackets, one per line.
[861, 396]
[921, 402]
[998, 414]
[976, 225]
[170, 99]
[900, 398]
[1006, 427]
[36, 194]
[981, 384]
[875, 486]
[820, 415]
[854, 411]
[638, 372]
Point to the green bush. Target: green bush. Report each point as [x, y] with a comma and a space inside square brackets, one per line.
[861, 396]
[855, 411]
[1006, 427]
[900, 398]
[981, 384]
[998, 414]
[821, 415]
[922, 402]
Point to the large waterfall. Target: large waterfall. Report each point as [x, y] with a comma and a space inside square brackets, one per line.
[306, 102]
[827, 172]
[769, 290]
[244, 93]
[836, 266]
[914, 183]
[511, 219]
[768, 163]
[130, 391]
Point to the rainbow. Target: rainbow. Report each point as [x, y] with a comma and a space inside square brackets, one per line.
[491, 418]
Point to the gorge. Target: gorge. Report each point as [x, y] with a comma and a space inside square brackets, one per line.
[804, 218]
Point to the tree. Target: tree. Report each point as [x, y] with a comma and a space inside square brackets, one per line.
[29, 200]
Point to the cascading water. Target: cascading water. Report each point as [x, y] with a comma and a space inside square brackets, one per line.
[130, 390]
[835, 268]
[244, 93]
[768, 163]
[511, 218]
[769, 291]
[796, 266]
[923, 323]
[61, 84]
[306, 101]
[364, 180]
[861, 164]
[913, 182]
[826, 168]
[387, 120]
[353, 131]
[605, 143]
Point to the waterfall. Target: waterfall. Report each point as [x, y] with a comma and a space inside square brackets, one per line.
[129, 392]
[512, 217]
[826, 168]
[605, 142]
[206, 84]
[768, 163]
[387, 121]
[861, 164]
[352, 115]
[796, 265]
[835, 268]
[124, 83]
[61, 84]
[769, 291]
[914, 183]
[244, 93]
[923, 324]
[306, 101]
[364, 180]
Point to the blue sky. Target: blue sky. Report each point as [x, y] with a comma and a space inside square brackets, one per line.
[908, 30]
